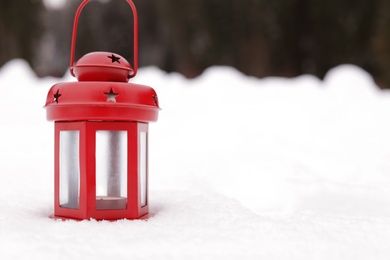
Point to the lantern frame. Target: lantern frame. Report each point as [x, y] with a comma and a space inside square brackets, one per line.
[101, 100]
[87, 184]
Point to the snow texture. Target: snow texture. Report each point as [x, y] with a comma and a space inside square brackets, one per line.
[240, 168]
[54, 4]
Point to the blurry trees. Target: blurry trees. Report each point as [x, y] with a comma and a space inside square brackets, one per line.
[381, 45]
[20, 29]
[258, 37]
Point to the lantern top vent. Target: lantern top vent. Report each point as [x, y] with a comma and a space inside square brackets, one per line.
[103, 66]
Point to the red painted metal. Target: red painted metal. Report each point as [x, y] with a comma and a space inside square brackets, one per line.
[102, 66]
[101, 100]
[89, 100]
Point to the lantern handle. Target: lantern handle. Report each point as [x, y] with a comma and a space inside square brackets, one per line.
[74, 36]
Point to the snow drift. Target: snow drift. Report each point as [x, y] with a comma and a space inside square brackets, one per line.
[240, 168]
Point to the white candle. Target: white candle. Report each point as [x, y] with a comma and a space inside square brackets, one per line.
[108, 202]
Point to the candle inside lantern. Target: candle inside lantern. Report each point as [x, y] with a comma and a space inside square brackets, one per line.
[111, 169]
[106, 202]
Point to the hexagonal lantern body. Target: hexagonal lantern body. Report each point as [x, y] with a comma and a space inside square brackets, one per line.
[101, 147]
[101, 140]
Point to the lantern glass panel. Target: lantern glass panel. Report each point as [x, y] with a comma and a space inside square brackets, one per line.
[143, 153]
[69, 169]
[111, 170]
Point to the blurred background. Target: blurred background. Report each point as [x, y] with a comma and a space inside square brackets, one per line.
[258, 37]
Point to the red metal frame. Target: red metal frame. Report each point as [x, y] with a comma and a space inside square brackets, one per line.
[80, 213]
[87, 200]
[87, 101]
[135, 38]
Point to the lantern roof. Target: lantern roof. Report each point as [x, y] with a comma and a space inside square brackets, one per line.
[101, 100]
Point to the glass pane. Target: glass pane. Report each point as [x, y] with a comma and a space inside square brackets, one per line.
[69, 169]
[143, 168]
[111, 169]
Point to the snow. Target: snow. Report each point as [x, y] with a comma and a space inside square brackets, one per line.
[58, 4]
[240, 168]
[54, 4]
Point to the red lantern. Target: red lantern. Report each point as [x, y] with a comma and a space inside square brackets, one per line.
[101, 136]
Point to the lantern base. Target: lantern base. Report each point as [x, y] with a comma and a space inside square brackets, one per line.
[145, 217]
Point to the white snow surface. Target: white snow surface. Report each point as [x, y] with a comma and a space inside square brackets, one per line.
[240, 168]
[54, 4]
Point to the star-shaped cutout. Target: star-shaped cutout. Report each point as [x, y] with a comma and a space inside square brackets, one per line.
[114, 58]
[57, 95]
[111, 96]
